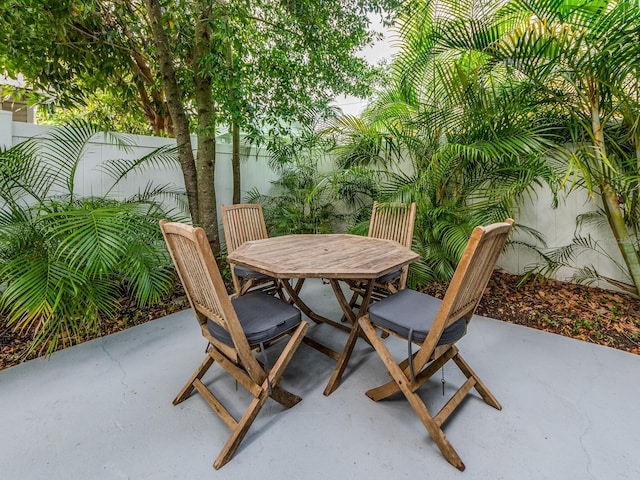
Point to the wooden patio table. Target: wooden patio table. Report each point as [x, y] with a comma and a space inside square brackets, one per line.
[335, 257]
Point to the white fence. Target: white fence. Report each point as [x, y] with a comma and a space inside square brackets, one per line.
[556, 225]
[254, 170]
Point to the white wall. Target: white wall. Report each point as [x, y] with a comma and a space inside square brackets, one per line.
[6, 130]
[89, 181]
[557, 225]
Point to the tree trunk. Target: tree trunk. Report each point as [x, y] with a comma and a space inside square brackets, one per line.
[235, 132]
[176, 109]
[235, 162]
[610, 202]
[206, 129]
[635, 198]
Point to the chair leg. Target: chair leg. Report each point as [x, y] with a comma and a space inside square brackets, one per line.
[340, 367]
[277, 393]
[283, 397]
[237, 287]
[432, 427]
[279, 291]
[480, 387]
[383, 391]
[391, 287]
[197, 375]
[238, 434]
[246, 287]
[413, 398]
[386, 390]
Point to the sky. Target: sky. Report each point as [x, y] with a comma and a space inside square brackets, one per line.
[381, 50]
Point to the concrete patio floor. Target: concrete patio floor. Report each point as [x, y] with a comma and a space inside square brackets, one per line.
[102, 410]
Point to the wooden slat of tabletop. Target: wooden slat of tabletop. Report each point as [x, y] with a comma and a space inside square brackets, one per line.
[322, 256]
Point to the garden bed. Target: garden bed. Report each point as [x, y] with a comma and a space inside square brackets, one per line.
[586, 313]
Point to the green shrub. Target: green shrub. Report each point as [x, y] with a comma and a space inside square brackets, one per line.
[66, 260]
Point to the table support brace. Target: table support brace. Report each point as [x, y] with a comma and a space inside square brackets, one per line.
[338, 371]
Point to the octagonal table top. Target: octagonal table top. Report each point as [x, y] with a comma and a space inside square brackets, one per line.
[323, 256]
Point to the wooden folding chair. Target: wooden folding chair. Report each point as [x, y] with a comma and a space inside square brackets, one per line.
[393, 221]
[232, 329]
[389, 221]
[436, 325]
[243, 223]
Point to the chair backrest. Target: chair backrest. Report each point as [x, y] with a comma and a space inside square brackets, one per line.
[242, 223]
[470, 278]
[393, 221]
[203, 284]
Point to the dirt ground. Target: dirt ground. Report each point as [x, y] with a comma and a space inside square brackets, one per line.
[586, 313]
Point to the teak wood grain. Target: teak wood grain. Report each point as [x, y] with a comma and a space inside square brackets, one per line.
[436, 350]
[242, 223]
[207, 294]
[338, 256]
[395, 222]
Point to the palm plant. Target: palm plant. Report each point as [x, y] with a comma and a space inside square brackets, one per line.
[65, 260]
[301, 200]
[584, 57]
[453, 133]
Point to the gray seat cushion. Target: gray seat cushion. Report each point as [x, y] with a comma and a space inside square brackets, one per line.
[410, 310]
[389, 277]
[263, 317]
[244, 272]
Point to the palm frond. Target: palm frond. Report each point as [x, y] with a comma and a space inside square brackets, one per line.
[93, 239]
[164, 157]
[64, 260]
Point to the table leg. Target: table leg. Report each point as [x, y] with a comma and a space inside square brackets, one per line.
[347, 307]
[298, 286]
[294, 297]
[342, 300]
[338, 371]
[293, 294]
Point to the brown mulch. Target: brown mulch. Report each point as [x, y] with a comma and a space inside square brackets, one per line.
[13, 345]
[586, 313]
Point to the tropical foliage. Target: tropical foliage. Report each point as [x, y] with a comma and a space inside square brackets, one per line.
[583, 60]
[192, 67]
[66, 259]
[301, 199]
[299, 203]
[595, 76]
[452, 132]
[487, 101]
